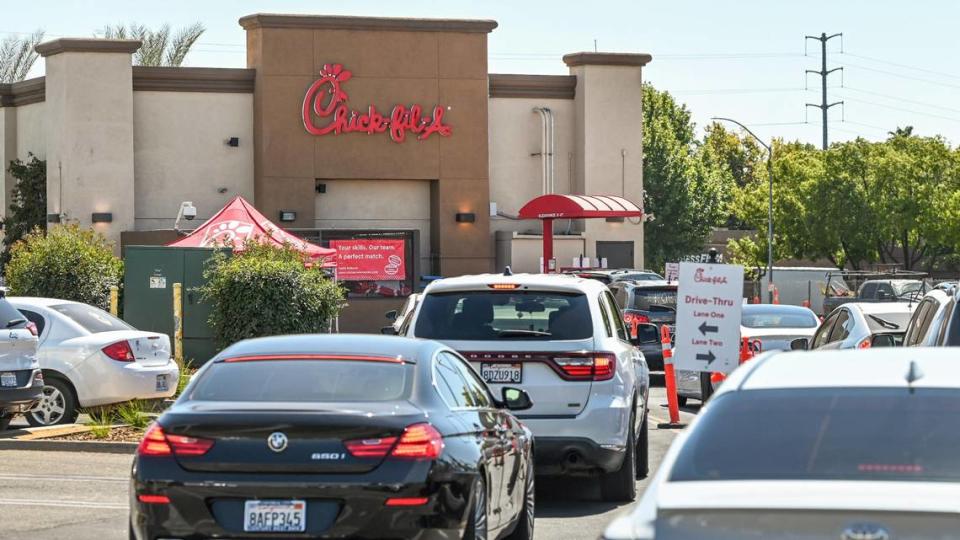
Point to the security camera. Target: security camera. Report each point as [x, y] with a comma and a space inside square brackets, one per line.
[189, 210]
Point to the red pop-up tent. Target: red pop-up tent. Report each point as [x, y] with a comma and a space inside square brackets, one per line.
[238, 222]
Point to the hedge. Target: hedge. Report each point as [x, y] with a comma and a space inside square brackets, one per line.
[66, 262]
[268, 290]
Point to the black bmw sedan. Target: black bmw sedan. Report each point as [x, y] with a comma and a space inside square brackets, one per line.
[336, 436]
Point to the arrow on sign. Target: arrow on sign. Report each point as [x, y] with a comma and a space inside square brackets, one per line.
[709, 357]
[705, 328]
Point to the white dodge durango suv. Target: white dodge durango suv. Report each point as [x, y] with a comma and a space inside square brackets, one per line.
[562, 340]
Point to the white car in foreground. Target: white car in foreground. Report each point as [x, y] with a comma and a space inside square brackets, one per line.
[783, 451]
[91, 358]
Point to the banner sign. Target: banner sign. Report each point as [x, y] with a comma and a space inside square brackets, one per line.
[709, 300]
[326, 99]
[370, 260]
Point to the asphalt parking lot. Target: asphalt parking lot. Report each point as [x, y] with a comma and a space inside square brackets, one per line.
[83, 496]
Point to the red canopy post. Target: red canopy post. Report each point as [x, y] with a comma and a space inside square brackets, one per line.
[553, 206]
[547, 244]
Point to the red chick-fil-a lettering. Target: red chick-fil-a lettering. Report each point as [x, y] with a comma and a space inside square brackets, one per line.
[325, 111]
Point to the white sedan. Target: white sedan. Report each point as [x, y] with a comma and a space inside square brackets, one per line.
[782, 451]
[91, 358]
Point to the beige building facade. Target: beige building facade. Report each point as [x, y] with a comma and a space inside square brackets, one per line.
[347, 128]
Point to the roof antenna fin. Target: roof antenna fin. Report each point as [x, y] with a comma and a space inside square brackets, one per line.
[913, 374]
[507, 271]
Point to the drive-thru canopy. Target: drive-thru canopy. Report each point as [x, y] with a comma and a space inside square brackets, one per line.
[238, 222]
[554, 206]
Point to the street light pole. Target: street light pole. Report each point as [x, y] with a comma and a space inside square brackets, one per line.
[769, 149]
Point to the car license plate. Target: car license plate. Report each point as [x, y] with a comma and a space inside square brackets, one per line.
[162, 384]
[274, 516]
[502, 373]
[8, 380]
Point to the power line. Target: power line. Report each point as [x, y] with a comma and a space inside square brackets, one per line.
[899, 75]
[904, 66]
[735, 91]
[892, 107]
[903, 99]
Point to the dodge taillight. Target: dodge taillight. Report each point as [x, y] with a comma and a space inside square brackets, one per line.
[157, 443]
[592, 367]
[119, 351]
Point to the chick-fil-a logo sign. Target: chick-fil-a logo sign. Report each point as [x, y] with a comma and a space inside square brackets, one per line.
[327, 100]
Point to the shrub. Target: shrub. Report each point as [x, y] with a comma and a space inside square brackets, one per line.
[66, 262]
[28, 202]
[268, 290]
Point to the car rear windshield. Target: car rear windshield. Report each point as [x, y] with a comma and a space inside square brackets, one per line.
[660, 299]
[93, 320]
[887, 322]
[10, 317]
[783, 319]
[487, 315]
[303, 381]
[825, 434]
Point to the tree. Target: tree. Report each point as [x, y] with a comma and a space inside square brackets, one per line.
[686, 195]
[158, 48]
[17, 56]
[66, 262]
[28, 205]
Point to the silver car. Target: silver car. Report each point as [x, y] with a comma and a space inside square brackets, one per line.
[21, 381]
[785, 451]
[863, 325]
[562, 339]
[772, 327]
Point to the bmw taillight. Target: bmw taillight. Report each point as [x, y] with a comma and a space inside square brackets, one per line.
[370, 448]
[119, 351]
[590, 367]
[419, 441]
[157, 443]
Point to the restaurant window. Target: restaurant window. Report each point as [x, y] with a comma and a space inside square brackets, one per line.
[371, 264]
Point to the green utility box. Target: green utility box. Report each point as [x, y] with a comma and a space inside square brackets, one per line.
[149, 275]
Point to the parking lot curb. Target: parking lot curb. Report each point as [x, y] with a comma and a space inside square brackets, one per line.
[69, 446]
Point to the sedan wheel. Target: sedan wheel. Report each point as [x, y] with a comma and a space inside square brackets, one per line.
[524, 527]
[57, 405]
[477, 527]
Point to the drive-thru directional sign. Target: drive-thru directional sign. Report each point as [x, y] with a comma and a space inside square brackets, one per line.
[709, 299]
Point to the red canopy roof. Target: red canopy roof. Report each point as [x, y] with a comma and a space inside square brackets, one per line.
[239, 221]
[556, 206]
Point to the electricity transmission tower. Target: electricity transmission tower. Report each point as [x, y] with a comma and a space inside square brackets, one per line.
[824, 106]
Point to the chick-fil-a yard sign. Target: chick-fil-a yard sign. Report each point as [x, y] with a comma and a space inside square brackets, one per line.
[326, 100]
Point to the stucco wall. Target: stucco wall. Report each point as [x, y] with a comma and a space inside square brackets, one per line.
[180, 153]
[516, 175]
[377, 204]
[30, 130]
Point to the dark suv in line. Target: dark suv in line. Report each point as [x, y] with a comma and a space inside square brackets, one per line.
[646, 306]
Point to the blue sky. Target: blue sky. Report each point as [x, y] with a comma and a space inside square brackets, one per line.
[742, 59]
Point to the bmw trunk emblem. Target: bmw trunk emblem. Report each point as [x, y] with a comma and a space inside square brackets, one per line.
[277, 441]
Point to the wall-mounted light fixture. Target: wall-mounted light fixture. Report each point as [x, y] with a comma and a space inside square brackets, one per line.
[53, 218]
[319, 186]
[615, 219]
[233, 141]
[287, 216]
[102, 217]
[466, 217]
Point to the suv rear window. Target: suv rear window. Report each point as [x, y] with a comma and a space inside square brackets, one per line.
[303, 381]
[522, 315]
[655, 299]
[825, 434]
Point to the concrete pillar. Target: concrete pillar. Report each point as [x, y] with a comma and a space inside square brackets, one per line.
[608, 143]
[89, 132]
[8, 153]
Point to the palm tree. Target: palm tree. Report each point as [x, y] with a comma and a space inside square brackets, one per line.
[158, 48]
[17, 56]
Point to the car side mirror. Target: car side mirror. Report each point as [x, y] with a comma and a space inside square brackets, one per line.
[883, 295]
[391, 315]
[515, 399]
[388, 331]
[883, 340]
[646, 334]
[800, 344]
